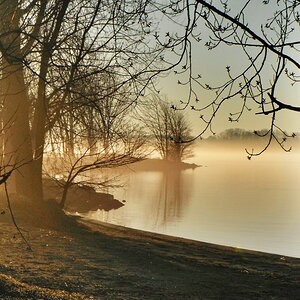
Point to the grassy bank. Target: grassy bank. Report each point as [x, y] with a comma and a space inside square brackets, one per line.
[104, 261]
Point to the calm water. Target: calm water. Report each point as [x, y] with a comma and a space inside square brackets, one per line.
[230, 201]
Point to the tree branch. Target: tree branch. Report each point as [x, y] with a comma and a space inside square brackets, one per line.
[235, 21]
[280, 106]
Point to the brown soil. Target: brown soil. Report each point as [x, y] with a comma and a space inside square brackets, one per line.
[101, 261]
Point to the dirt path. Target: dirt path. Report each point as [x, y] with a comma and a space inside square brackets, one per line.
[110, 262]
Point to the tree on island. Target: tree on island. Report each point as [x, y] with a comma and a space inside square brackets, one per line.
[167, 129]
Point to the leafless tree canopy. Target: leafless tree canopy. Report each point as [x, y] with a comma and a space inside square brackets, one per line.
[62, 59]
[63, 62]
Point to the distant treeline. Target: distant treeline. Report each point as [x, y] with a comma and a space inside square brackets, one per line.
[242, 134]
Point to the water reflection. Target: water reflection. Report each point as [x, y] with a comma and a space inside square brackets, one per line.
[252, 205]
[154, 200]
[169, 206]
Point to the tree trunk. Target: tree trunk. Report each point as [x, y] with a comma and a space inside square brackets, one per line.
[18, 147]
[17, 143]
[64, 195]
[38, 133]
[92, 145]
[70, 141]
[42, 103]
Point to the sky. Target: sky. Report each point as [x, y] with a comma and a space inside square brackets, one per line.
[212, 67]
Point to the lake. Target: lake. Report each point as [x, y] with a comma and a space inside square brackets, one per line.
[229, 200]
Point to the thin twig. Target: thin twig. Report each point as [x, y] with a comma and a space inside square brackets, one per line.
[13, 218]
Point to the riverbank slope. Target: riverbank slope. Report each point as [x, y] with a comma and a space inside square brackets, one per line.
[101, 261]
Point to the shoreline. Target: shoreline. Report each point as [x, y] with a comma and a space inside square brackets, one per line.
[183, 239]
[106, 261]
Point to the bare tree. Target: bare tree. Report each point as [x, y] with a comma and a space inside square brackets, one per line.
[100, 110]
[80, 168]
[167, 128]
[47, 48]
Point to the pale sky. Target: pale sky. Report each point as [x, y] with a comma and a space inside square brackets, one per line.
[212, 66]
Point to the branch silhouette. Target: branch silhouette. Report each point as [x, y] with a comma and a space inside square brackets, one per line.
[255, 36]
[280, 106]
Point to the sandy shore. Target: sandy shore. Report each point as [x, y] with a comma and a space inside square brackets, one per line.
[102, 261]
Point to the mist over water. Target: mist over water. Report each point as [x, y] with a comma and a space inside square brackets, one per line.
[229, 200]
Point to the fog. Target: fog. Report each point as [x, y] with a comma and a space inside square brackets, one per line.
[229, 199]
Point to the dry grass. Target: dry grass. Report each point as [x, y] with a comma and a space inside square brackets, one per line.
[101, 261]
[13, 289]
